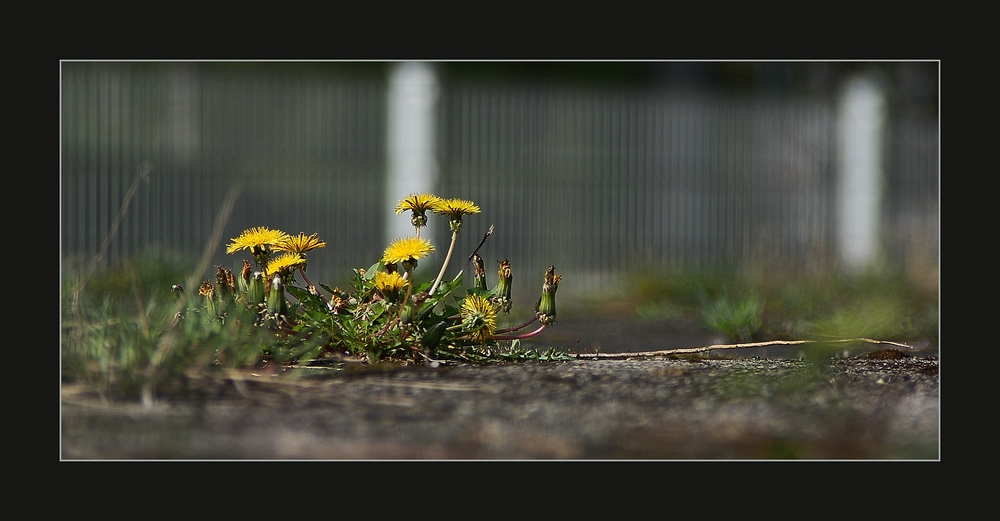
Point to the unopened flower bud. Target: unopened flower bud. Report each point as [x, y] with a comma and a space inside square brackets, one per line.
[225, 282]
[480, 278]
[255, 292]
[547, 302]
[276, 304]
[207, 290]
[502, 291]
[243, 281]
[432, 337]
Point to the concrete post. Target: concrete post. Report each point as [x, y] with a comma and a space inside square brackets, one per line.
[412, 165]
[860, 177]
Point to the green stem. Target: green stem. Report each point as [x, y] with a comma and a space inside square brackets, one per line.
[447, 259]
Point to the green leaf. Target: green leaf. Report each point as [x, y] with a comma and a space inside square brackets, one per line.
[306, 299]
[478, 291]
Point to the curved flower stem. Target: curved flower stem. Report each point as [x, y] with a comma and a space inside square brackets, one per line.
[521, 336]
[515, 328]
[303, 273]
[388, 323]
[309, 284]
[447, 259]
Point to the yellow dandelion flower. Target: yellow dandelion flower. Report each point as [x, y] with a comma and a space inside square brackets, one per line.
[284, 263]
[418, 204]
[300, 243]
[389, 281]
[456, 208]
[407, 249]
[479, 317]
[390, 284]
[256, 240]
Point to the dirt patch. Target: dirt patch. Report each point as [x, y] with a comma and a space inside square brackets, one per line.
[658, 408]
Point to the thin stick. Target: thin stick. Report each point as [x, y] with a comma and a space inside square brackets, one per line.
[715, 347]
[481, 243]
[474, 252]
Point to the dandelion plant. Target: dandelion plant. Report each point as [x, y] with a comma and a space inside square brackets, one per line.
[385, 314]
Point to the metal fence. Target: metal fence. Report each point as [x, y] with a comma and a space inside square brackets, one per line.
[308, 150]
[596, 181]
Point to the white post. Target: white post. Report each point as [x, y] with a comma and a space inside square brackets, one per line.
[859, 190]
[412, 167]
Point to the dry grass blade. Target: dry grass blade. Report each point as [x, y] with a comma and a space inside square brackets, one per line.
[141, 175]
[169, 340]
[717, 347]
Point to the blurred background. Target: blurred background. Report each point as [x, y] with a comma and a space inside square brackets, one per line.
[604, 169]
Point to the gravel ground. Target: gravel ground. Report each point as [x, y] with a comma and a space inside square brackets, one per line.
[690, 408]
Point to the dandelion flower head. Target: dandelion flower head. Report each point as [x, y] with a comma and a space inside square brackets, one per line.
[407, 249]
[479, 317]
[283, 263]
[418, 203]
[256, 240]
[456, 208]
[300, 243]
[389, 284]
